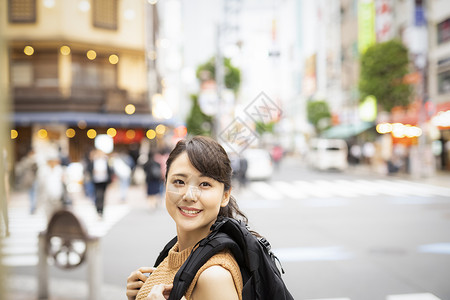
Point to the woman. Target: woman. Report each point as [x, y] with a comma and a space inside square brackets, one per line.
[198, 190]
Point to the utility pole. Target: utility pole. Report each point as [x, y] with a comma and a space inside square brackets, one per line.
[226, 33]
[419, 157]
[220, 81]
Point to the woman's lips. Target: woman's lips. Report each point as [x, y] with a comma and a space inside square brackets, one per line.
[189, 211]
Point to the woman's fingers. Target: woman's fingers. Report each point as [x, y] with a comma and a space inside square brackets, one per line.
[160, 292]
[135, 285]
[131, 294]
[146, 269]
[136, 280]
[167, 290]
[139, 274]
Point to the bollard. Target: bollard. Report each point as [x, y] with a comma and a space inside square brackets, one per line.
[67, 243]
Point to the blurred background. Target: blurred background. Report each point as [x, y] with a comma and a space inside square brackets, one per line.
[335, 113]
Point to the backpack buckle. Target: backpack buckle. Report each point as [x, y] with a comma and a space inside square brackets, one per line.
[265, 243]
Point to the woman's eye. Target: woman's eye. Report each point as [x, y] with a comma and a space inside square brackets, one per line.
[205, 184]
[178, 181]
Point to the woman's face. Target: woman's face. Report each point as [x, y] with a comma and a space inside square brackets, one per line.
[192, 199]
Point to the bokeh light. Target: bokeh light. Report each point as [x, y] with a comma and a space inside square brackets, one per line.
[151, 134]
[65, 50]
[14, 134]
[131, 134]
[70, 133]
[82, 124]
[112, 132]
[160, 129]
[91, 133]
[42, 133]
[91, 54]
[28, 50]
[113, 59]
[130, 109]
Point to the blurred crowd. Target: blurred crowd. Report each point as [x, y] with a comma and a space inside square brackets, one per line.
[50, 180]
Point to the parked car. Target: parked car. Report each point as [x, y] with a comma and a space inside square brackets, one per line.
[325, 154]
[259, 164]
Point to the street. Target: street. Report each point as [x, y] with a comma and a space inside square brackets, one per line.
[351, 235]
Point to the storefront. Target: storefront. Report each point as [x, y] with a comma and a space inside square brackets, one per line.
[74, 133]
[441, 120]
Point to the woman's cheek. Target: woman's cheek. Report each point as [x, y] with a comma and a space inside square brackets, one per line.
[173, 194]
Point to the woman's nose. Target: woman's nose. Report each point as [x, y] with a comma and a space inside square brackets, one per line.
[192, 193]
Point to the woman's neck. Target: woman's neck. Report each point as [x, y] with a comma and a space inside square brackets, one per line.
[190, 239]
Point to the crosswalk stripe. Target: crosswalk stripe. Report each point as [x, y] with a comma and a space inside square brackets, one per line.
[386, 188]
[336, 187]
[311, 189]
[304, 189]
[410, 189]
[265, 190]
[359, 187]
[432, 189]
[289, 190]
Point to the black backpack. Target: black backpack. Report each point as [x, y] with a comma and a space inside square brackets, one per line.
[260, 274]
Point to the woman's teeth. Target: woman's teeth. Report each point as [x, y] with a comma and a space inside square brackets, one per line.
[190, 212]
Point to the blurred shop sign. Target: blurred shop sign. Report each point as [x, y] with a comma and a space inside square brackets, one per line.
[412, 78]
[366, 24]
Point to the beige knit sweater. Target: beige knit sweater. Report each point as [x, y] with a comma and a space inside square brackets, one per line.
[165, 273]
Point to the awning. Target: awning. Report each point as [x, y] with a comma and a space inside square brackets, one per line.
[91, 119]
[344, 131]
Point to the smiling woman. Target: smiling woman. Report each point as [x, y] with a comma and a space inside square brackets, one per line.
[198, 190]
[214, 255]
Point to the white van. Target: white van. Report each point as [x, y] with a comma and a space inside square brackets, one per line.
[327, 154]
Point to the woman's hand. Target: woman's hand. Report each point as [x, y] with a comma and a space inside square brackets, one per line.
[136, 280]
[161, 292]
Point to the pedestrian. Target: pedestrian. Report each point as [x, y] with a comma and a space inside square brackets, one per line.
[51, 185]
[198, 191]
[161, 157]
[101, 174]
[277, 155]
[88, 184]
[153, 179]
[243, 166]
[122, 164]
[27, 170]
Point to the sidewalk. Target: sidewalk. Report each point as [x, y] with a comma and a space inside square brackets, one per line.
[19, 286]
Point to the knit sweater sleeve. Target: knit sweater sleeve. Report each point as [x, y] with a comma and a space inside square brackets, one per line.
[227, 261]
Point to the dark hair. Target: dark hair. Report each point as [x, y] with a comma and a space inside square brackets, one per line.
[211, 160]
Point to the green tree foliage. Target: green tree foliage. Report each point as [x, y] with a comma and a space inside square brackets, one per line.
[319, 114]
[207, 71]
[383, 66]
[197, 122]
[262, 127]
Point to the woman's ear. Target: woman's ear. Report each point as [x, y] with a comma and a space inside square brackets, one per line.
[226, 198]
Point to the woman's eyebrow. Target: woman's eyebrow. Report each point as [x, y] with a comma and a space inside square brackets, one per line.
[186, 176]
[180, 175]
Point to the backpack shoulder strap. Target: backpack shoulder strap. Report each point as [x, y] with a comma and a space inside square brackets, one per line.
[208, 247]
[165, 251]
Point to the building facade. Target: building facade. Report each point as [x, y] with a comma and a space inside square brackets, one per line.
[77, 69]
[439, 77]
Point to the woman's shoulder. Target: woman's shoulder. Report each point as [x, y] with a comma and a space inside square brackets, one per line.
[220, 274]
